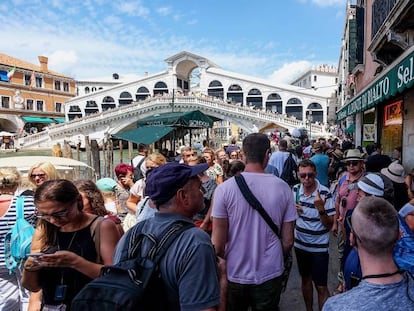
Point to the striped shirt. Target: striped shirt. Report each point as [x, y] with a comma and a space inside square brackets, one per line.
[9, 219]
[310, 234]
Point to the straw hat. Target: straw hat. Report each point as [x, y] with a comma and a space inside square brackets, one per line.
[353, 155]
[395, 172]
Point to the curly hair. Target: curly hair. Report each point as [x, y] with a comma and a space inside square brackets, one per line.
[96, 200]
[9, 177]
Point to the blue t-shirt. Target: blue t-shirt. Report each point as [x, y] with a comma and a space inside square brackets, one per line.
[321, 162]
[379, 297]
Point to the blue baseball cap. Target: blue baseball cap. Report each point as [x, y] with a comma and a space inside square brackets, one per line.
[106, 184]
[163, 182]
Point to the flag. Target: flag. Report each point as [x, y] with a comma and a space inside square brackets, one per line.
[11, 73]
[32, 80]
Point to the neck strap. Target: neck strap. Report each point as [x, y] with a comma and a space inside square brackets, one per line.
[383, 275]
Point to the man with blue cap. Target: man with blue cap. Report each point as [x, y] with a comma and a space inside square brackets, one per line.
[189, 267]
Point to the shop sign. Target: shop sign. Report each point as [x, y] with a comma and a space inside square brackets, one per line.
[395, 81]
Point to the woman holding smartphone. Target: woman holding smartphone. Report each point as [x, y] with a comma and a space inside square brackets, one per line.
[69, 258]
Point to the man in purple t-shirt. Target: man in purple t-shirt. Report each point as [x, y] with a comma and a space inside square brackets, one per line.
[253, 252]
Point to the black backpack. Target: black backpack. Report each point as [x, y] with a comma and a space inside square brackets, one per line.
[290, 171]
[135, 282]
[137, 170]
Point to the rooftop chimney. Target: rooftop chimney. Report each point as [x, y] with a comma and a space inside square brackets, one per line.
[43, 63]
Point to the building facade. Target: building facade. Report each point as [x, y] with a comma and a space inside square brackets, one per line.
[32, 96]
[380, 95]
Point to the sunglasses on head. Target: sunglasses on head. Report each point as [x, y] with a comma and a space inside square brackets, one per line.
[309, 175]
[352, 163]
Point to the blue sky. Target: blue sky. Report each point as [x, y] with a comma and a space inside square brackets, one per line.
[272, 39]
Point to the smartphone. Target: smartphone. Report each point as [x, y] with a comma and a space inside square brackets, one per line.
[36, 255]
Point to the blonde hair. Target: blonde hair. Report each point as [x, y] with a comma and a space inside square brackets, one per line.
[157, 158]
[46, 167]
[10, 177]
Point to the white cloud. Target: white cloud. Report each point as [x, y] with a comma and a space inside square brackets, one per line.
[164, 11]
[290, 71]
[62, 61]
[132, 8]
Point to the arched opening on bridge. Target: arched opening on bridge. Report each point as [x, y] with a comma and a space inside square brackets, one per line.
[74, 112]
[142, 94]
[8, 126]
[254, 99]
[187, 73]
[235, 94]
[87, 90]
[160, 88]
[91, 107]
[294, 108]
[125, 99]
[108, 103]
[215, 89]
[316, 111]
[274, 103]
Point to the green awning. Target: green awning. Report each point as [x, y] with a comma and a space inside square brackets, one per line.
[37, 119]
[60, 120]
[190, 119]
[145, 134]
[350, 129]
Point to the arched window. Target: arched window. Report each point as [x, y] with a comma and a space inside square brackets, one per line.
[315, 109]
[274, 103]
[87, 90]
[235, 94]
[160, 88]
[254, 99]
[294, 108]
[91, 107]
[125, 98]
[142, 93]
[74, 112]
[215, 89]
[108, 103]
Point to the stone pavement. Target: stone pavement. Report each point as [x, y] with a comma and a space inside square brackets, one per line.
[292, 299]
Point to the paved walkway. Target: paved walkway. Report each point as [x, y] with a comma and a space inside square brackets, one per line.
[292, 298]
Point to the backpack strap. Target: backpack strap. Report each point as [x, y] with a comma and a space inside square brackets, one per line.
[252, 200]
[20, 207]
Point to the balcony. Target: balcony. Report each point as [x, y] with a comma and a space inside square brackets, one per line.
[392, 29]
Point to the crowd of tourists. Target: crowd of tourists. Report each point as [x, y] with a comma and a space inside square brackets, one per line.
[242, 212]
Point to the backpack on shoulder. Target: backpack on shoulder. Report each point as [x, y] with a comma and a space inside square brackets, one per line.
[18, 239]
[137, 170]
[290, 171]
[135, 282]
[404, 248]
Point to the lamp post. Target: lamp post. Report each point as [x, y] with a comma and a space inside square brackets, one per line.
[310, 119]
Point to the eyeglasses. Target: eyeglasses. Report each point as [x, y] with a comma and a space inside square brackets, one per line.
[189, 155]
[38, 175]
[352, 163]
[349, 224]
[309, 175]
[233, 155]
[57, 215]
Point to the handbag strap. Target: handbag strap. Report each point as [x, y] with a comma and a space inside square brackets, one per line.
[252, 200]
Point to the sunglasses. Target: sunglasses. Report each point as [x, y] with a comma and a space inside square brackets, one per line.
[309, 175]
[38, 175]
[352, 163]
[189, 155]
[57, 215]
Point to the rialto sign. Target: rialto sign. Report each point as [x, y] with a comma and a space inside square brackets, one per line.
[395, 81]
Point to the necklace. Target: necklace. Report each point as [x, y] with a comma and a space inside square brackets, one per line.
[383, 275]
[7, 193]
